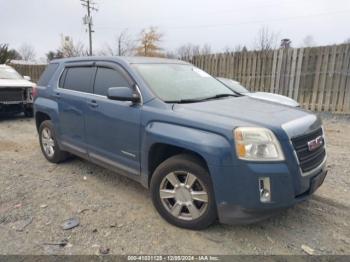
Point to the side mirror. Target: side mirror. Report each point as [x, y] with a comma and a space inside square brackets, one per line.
[123, 94]
[27, 78]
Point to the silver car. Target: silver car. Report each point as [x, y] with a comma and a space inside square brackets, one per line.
[15, 92]
[238, 88]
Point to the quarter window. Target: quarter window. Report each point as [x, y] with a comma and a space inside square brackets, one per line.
[47, 75]
[106, 78]
[79, 79]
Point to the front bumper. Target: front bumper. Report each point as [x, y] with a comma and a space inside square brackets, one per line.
[238, 201]
[15, 106]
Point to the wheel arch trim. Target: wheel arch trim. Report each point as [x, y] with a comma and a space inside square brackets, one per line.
[214, 149]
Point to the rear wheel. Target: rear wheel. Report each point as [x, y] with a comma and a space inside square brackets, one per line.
[48, 143]
[182, 192]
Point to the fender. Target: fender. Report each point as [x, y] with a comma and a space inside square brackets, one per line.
[214, 148]
[48, 107]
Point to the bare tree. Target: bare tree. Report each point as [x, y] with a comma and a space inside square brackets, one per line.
[236, 48]
[170, 54]
[107, 50]
[227, 50]
[124, 46]
[149, 41]
[70, 49]
[266, 39]
[347, 41]
[27, 52]
[190, 50]
[308, 41]
[205, 50]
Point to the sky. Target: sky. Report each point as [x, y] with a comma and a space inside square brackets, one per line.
[219, 23]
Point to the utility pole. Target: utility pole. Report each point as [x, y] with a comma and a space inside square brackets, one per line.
[90, 6]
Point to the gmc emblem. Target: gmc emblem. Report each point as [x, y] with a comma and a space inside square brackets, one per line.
[316, 143]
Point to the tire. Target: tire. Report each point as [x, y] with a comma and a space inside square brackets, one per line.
[57, 155]
[177, 204]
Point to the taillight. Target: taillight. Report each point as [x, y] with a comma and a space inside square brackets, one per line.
[34, 92]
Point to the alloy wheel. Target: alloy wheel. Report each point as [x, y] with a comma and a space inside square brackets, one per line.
[48, 142]
[183, 195]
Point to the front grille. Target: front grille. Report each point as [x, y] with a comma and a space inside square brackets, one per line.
[309, 160]
[12, 94]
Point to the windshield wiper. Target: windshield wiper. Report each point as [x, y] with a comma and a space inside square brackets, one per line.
[184, 101]
[195, 100]
[219, 96]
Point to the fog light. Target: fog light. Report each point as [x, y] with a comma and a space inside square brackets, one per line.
[264, 189]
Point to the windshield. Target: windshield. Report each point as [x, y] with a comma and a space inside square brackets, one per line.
[179, 82]
[234, 85]
[9, 73]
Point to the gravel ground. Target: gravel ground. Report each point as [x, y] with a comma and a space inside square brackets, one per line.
[36, 197]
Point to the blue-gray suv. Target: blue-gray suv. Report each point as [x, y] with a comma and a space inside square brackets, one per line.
[205, 152]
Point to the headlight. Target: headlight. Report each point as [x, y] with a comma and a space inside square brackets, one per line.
[257, 144]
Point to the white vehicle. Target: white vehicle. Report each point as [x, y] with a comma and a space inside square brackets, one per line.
[238, 88]
[15, 92]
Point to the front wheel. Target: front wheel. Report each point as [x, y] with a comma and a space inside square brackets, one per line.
[182, 192]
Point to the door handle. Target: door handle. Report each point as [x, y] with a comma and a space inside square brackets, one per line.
[93, 103]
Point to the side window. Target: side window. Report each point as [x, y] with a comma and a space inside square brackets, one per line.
[78, 79]
[106, 78]
[47, 74]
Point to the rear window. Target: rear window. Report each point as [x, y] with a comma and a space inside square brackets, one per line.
[47, 74]
[79, 79]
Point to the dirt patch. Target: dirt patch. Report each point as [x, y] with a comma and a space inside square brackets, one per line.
[8, 145]
[116, 213]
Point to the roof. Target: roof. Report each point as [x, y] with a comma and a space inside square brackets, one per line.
[152, 60]
[129, 60]
[23, 62]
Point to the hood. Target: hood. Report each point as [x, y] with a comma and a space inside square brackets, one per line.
[238, 111]
[15, 83]
[274, 98]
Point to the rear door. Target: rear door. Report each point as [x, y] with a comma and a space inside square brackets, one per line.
[75, 85]
[113, 127]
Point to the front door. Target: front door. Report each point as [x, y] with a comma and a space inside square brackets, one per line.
[113, 127]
